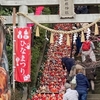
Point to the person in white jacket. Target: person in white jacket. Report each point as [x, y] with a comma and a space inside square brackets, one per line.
[70, 94]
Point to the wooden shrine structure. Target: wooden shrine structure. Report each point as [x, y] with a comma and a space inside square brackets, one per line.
[23, 7]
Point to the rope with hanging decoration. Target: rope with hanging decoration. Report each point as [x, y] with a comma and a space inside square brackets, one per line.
[61, 31]
[2, 18]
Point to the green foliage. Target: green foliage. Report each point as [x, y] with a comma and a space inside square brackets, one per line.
[30, 9]
[6, 11]
[98, 44]
[9, 48]
[46, 11]
[54, 9]
[36, 53]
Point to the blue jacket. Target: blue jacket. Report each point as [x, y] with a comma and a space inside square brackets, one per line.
[82, 82]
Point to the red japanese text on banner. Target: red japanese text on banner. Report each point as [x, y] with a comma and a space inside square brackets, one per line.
[23, 54]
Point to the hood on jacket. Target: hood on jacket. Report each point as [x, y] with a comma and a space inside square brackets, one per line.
[80, 76]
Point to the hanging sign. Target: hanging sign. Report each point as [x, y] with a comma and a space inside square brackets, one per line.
[66, 8]
[23, 54]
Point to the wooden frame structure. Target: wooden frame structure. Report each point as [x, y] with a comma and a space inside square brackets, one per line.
[50, 18]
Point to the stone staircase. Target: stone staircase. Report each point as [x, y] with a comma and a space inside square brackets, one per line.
[93, 97]
[97, 81]
[96, 96]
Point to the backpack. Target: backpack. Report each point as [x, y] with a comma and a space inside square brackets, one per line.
[86, 45]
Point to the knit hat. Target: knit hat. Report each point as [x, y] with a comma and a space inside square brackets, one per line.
[67, 85]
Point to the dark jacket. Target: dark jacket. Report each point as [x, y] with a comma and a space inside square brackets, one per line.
[82, 82]
[90, 68]
[68, 63]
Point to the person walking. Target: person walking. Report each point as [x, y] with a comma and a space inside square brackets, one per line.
[67, 63]
[70, 94]
[72, 75]
[87, 48]
[82, 85]
[90, 68]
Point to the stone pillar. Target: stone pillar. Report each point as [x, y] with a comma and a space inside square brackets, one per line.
[22, 21]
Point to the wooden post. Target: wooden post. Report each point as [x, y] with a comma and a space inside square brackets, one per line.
[14, 25]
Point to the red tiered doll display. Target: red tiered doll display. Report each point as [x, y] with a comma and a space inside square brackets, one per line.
[54, 77]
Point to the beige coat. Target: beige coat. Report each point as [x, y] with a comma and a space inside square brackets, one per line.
[74, 68]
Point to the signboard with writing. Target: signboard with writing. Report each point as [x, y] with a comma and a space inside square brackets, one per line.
[66, 8]
[23, 54]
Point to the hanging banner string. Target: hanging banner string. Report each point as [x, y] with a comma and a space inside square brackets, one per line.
[59, 31]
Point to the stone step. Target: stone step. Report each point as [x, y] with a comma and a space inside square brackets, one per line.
[97, 81]
[93, 97]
